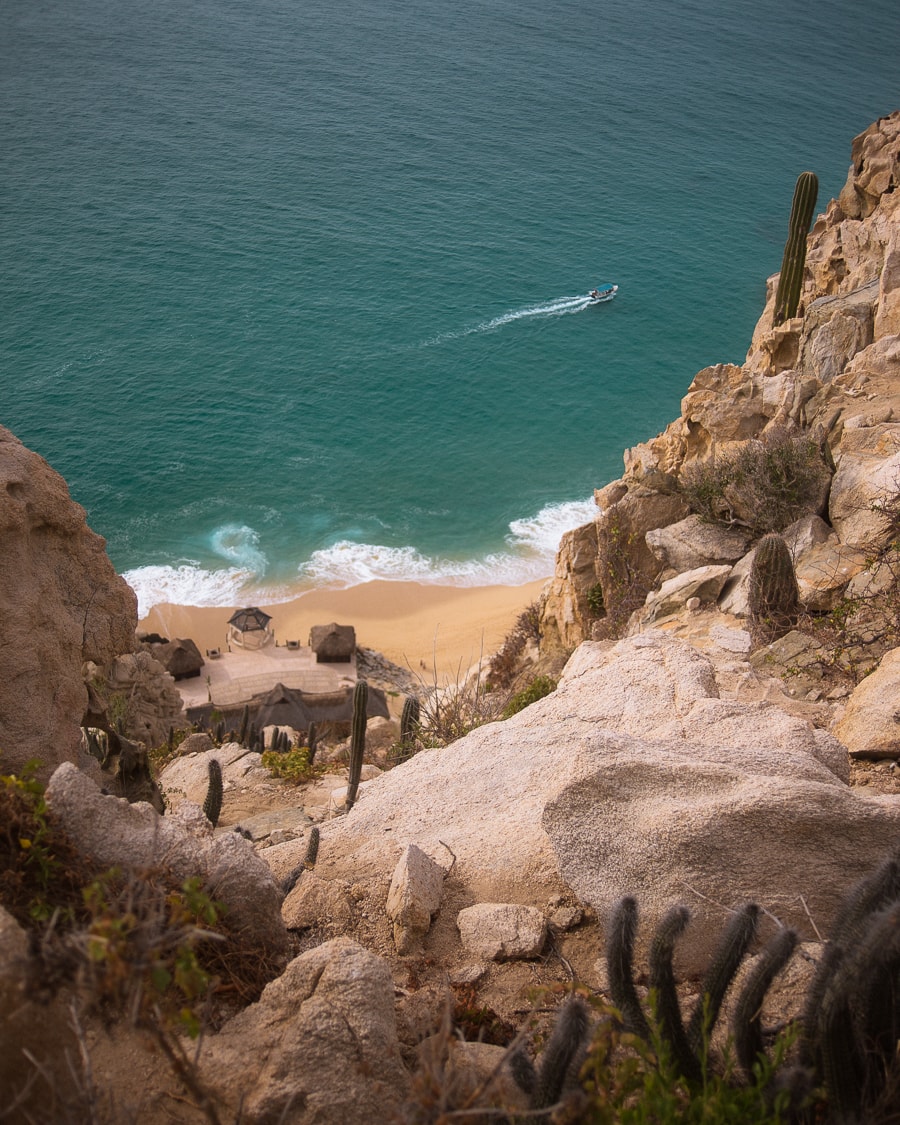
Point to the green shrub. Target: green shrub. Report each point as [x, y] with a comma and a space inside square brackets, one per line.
[537, 689]
[764, 485]
[294, 766]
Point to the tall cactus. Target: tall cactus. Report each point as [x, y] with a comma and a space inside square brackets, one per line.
[357, 740]
[212, 806]
[312, 740]
[773, 598]
[409, 724]
[787, 297]
[245, 726]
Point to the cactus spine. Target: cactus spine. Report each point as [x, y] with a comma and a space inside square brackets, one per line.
[212, 806]
[787, 298]
[357, 740]
[773, 599]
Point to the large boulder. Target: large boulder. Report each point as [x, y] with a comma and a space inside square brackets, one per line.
[675, 792]
[871, 720]
[110, 832]
[319, 1048]
[61, 603]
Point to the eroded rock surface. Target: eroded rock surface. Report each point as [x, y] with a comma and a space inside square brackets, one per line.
[61, 603]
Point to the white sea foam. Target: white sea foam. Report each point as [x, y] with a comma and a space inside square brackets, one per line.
[239, 544]
[187, 584]
[531, 549]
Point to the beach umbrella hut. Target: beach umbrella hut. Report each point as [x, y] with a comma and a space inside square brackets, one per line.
[249, 628]
[284, 707]
[181, 658]
[333, 644]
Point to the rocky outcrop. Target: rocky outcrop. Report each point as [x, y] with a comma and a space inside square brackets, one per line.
[61, 603]
[109, 832]
[633, 776]
[137, 690]
[832, 372]
[319, 1048]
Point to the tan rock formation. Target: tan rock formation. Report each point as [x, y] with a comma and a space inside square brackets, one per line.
[319, 1048]
[833, 370]
[61, 603]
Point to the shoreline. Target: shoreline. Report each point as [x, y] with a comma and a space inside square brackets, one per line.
[418, 626]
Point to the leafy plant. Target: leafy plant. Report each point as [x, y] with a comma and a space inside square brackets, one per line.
[40, 872]
[764, 485]
[293, 767]
[539, 687]
[504, 664]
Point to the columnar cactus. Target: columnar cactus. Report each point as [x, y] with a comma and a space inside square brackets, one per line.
[212, 806]
[787, 297]
[312, 741]
[357, 739]
[773, 598]
[245, 726]
[409, 721]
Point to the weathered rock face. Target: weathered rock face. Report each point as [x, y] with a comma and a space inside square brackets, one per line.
[871, 720]
[137, 688]
[833, 370]
[110, 832]
[633, 777]
[61, 603]
[320, 1046]
[565, 608]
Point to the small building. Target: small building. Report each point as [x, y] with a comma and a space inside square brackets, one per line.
[249, 628]
[284, 707]
[333, 644]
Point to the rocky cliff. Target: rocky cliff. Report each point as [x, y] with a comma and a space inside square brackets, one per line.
[832, 372]
[61, 604]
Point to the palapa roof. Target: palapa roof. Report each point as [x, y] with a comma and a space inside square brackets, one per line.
[330, 642]
[249, 620]
[284, 707]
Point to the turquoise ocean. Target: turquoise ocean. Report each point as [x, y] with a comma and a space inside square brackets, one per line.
[293, 293]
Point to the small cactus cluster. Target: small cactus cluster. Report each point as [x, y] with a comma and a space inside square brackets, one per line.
[774, 599]
[212, 806]
[787, 297]
[843, 1070]
[357, 739]
[560, 1060]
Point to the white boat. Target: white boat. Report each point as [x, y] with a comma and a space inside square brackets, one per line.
[603, 293]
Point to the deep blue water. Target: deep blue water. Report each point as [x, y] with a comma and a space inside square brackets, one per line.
[293, 292]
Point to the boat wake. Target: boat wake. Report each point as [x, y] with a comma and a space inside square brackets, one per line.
[561, 306]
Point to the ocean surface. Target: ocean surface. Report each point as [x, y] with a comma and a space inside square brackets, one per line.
[293, 293]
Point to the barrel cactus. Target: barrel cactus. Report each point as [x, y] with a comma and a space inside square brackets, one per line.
[357, 739]
[787, 298]
[774, 599]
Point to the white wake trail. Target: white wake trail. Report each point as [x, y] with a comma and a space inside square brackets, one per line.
[561, 306]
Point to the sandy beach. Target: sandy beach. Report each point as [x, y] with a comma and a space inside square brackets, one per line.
[413, 625]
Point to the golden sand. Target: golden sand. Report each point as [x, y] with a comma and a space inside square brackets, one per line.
[413, 625]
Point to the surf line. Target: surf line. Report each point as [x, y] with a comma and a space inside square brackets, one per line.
[561, 306]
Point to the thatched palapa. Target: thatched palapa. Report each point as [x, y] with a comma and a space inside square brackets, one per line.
[333, 644]
[284, 707]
